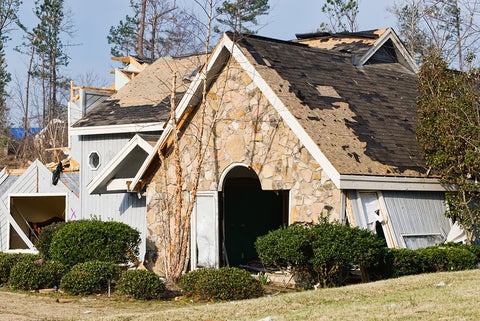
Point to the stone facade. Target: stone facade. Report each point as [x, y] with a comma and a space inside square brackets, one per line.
[242, 127]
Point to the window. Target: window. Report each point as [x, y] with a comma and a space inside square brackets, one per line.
[94, 160]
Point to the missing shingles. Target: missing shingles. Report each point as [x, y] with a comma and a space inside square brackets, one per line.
[327, 91]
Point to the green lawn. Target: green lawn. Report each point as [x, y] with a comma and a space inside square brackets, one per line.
[440, 296]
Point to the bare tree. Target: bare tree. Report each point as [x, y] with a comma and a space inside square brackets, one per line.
[450, 28]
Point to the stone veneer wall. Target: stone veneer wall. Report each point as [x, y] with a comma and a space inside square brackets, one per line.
[242, 127]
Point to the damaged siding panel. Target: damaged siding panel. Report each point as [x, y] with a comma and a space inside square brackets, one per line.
[417, 218]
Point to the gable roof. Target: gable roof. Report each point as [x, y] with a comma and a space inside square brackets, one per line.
[114, 176]
[358, 122]
[144, 101]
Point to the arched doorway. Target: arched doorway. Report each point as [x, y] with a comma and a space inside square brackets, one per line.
[247, 212]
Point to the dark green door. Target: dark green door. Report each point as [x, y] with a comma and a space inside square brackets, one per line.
[249, 212]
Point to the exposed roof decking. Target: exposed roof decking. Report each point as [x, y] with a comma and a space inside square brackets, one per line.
[357, 43]
[146, 98]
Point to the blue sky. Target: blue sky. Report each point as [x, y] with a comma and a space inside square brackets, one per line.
[93, 19]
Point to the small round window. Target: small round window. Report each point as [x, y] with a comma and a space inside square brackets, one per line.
[94, 160]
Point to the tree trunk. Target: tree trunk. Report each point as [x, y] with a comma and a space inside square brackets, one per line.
[141, 30]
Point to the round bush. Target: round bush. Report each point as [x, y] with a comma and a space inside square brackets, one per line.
[88, 240]
[8, 261]
[45, 238]
[140, 284]
[35, 275]
[319, 253]
[226, 283]
[89, 277]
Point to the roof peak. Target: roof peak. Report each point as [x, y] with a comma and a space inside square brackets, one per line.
[366, 34]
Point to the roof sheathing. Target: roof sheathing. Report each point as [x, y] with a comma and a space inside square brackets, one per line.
[362, 118]
[351, 43]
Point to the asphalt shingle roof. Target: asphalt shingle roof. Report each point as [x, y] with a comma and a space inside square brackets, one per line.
[362, 118]
[146, 98]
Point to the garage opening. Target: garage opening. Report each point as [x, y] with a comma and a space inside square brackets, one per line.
[31, 214]
[248, 212]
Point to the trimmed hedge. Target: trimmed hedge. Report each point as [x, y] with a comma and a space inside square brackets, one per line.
[226, 283]
[319, 253]
[87, 240]
[140, 284]
[89, 277]
[440, 258]
[45, 238]
[35, 275]
[8, 261]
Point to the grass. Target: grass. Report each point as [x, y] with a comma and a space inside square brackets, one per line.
[447, 296]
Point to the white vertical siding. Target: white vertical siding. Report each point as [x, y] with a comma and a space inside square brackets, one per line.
[121, 207]
[417, 218]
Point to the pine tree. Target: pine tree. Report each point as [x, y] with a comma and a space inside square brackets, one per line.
[342, 15]
[239, 14]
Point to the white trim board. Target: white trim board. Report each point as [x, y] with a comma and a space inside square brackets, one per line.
[102, 176]
[384, 183]
[117, 129]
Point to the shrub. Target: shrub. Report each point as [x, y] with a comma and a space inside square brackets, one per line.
[87, 240]
[226, 283]
[141, 284]
[45, 238]
[432, 259]
[89, 277]
[439, 258]
[35, 275]
[319, 253]
[407, 262]
[8, 261]
[475, 249]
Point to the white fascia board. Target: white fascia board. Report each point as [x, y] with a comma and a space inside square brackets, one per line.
[291, 121]
[115, 161]
[117, 129]
[382, 183]
[389, 34]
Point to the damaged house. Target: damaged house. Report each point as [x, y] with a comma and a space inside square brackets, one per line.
[295, 130]
[30, 200]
